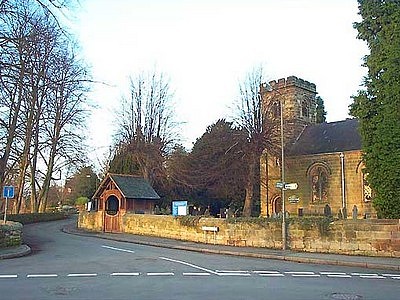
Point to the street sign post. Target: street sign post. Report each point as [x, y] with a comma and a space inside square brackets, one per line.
[291, 186]
[8, 192]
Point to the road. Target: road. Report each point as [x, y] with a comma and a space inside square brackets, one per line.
[64, 266]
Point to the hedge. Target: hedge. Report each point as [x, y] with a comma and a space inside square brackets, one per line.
[36, 217]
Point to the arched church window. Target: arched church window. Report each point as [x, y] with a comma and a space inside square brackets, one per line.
[319, 184]
[367, 190]
[305, 109]
[274, 110]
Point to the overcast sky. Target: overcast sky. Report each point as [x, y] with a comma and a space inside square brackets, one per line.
[207, 46]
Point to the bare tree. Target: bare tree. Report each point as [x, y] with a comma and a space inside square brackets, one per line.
[261, 131]
[146, 125]
[14, 62]
[42, 101]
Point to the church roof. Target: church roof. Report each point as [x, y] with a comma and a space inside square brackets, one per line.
[327, 138]
[134, 187]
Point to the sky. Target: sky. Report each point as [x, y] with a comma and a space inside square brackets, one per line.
[206, 47]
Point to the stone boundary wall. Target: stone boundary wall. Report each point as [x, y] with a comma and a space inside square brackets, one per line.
[351, 237]
[10, 234]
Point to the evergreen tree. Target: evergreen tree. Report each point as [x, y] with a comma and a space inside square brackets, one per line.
[218, 172]
[378, 106]
[321, 113]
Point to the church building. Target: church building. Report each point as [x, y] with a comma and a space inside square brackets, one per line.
[324, 160]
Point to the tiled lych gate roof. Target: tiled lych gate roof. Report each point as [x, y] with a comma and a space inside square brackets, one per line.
[134, 187]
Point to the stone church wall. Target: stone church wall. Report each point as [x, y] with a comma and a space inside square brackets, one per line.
[353, 237]
[298, 171]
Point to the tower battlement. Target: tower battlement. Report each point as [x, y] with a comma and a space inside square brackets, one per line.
[293, 81]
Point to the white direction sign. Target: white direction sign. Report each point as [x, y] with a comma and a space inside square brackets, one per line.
[291, 186]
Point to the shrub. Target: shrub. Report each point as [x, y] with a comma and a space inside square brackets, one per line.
[36, 217]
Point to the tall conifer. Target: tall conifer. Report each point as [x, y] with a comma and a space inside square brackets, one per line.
[378, 106]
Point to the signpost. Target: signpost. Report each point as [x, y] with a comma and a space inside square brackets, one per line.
[291, 186]
[286, 186]
[8, 192]
[179, 208]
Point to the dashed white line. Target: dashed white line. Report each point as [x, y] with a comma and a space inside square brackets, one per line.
[196, 274]
[41, 275]
[229, 271]
[300, 273]
[233, 274]
[303, 274]
[160, 274]
[189, 264]
[118, 249]
[82, 275]
[125, 274]
[266, 272]
[332, 273]
[335, 274]
[269, 273]
[372, 277]
[364, 274]
[9, 276]
[306, 275]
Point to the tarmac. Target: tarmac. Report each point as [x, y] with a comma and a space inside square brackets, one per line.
[383, 263]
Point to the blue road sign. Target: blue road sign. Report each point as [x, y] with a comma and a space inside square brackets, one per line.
[8, 192]
[179, 208]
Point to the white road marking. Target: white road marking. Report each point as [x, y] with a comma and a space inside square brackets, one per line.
[300, 273]
[372, 277]
[232, 273]
[306, 275]
[82, 275]
[396, 277]
[229, 271]
[364, 274]
[271, 275]
[335, 274]
[391, 275]
[189, 264]
[9, 276]
[266, 272]
[160, 274]
[125, 274]
[338, 276]
[332, 273]
[41, 275]
[118, 249]
[196, 274]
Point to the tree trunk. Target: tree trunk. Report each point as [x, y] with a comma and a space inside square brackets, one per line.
[14, 112]
[248, 201]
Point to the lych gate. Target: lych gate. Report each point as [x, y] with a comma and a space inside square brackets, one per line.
[119, 194]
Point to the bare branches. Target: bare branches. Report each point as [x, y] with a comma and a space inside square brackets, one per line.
[253, 117]
[42, 94]
[146, 124]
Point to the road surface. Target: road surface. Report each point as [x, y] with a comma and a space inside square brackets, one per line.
[65, 266]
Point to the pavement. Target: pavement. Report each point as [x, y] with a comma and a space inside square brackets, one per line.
[383, 263]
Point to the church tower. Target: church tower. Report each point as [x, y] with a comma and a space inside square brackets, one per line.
[299, 110]
[299, 104]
